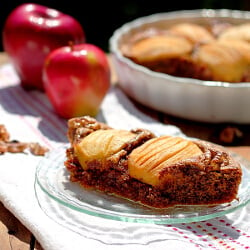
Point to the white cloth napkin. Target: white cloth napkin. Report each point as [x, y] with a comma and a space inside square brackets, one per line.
[29, 117]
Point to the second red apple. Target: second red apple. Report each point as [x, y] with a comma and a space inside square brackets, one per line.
[76, 79]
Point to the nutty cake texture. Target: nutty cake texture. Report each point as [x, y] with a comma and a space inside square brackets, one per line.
[155, 171]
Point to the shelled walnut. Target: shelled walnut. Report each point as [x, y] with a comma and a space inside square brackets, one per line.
[14, 146]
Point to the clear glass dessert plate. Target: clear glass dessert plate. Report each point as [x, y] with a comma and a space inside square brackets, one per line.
[53, 179]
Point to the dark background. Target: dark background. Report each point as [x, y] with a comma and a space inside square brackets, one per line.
[99, 19]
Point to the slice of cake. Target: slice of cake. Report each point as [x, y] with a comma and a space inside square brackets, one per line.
[155, 171]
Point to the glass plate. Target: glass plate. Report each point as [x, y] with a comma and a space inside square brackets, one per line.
[53, 178]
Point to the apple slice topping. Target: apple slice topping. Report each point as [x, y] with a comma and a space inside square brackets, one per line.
[147, 161]
[100, 145]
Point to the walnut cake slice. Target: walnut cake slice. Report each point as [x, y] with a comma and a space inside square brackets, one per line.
[155, 171]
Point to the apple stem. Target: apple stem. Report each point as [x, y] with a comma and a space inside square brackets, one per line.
[71, 45]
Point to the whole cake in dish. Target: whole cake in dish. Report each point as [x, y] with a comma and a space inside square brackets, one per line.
[216, 52]
[155, 171]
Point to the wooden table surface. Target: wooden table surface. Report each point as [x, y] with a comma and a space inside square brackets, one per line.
[14, 236]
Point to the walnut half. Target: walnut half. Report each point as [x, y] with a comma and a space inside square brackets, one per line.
[15, 146]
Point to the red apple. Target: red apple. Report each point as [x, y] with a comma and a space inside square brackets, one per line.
[30, 32]
[76, 79]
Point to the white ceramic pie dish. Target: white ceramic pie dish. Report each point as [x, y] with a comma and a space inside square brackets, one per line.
[205, 101]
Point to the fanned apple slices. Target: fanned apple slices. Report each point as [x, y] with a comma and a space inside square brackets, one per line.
[147, 161]
[155, 171]
[100, 145]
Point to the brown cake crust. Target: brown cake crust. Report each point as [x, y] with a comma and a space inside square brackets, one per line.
[212, 177]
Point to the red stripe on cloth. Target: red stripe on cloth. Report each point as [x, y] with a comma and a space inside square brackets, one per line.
[54, 128]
